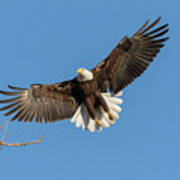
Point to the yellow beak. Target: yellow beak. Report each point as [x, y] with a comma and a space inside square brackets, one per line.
[79, 71]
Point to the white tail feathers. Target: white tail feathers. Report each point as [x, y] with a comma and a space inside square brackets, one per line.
[82, 119]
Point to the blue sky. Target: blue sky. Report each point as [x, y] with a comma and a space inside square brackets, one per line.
[46, 41]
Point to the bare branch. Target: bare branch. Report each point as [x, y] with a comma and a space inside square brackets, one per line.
[22, 143]
[5, 129]
[4, 123]
[2, 143]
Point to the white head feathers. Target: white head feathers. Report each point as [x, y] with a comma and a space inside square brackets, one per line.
[84, 75]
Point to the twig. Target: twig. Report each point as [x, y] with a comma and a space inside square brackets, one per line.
[5, 130]
[22, 143]
[5, 122]
[2, 143]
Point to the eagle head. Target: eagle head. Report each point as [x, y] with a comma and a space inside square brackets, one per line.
[84, 75]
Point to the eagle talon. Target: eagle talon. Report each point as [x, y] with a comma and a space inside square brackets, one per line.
[112, 121]
[111, 117]
[98, 124]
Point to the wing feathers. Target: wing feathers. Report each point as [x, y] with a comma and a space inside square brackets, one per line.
[9, 100]
[132, 55]
[150, 26]
[8, 106]
[16, 108]
[46, 103]
[142, 28]
[10, 93]
[156, 30]
[16, 88]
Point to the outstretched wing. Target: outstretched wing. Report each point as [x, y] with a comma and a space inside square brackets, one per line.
[46, 103]
[131, 56]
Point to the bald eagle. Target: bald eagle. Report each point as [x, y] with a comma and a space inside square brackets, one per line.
[91, 99]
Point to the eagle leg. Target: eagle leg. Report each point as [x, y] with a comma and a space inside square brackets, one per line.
[92, 112]
[105, 106]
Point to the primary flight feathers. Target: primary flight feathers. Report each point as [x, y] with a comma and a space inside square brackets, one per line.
[85, 98]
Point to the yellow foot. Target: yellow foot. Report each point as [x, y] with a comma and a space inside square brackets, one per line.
[111, 117]
[112, 121]
[98, 124]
